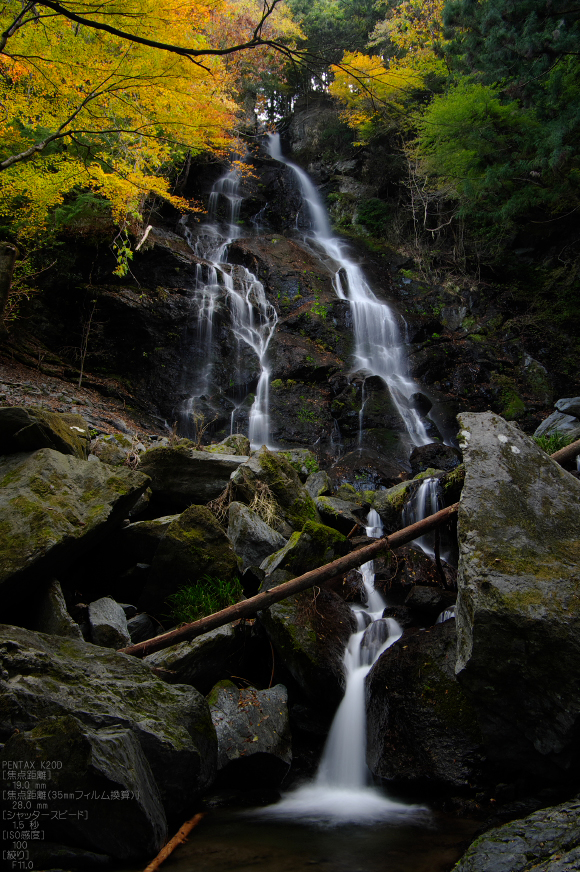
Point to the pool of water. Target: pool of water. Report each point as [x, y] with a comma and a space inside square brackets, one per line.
[227, 840]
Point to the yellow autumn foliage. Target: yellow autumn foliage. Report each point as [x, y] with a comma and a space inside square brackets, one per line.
[107, 114]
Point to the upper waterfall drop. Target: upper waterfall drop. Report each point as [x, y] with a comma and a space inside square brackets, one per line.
[378, 344]
[253, 318]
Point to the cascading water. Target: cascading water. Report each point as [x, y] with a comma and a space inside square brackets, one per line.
[342, 791]
[253, 318]
[378, 346]
[425, 502]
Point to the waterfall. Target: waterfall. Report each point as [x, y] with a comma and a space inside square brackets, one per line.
[424, 502]
[252, 318]
[341, 791]
[378, 345]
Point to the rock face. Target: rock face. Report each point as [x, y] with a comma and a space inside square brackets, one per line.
[421, 727]
[182, 476]
[253, 730]
[101, 761]
[53, 508]
[252, 539]
[30, 429]
[194, 545]
[518, 607]
[341, 515]
[48, 676]
[545, 841]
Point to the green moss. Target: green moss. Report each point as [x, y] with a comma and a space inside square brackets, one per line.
[213, 695]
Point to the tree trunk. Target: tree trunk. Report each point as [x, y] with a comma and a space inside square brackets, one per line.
[569, 452]
[249, 607]
[8, 255]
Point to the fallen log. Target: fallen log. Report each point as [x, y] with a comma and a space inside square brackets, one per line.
[249, 607]
[178, 839]
[569, 452]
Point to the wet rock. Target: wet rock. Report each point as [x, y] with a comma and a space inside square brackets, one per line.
[182, 476]
[52, 677]
[201, 661]
[391, 502]
[55, 507]
[396, 572]
[427, 603]
[318, 484]
[29, 429]
[545, 841]
[435, 455]
[101, 761]
[194, 545]
[108, 624]
[52, 615]
[519, 523]
[253, 730]
[252, 539]
[341, 515]
[421, 726]
[402, 615]
[269, 476]
[370, 469]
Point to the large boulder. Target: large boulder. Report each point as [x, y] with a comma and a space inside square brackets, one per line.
[518, 607]
[545, 841]
[434, 455]
[253, 731]
[421, 727]
[54, 507]
[194, 545]
[49, 676]
[95, 766]
[269, 477]
[253, 540]
[182, 476]
[23, 430]
[235, 445]
[201, 661]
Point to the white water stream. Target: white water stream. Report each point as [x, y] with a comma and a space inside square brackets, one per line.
[341, 791]
[378, 346]
[252, 318]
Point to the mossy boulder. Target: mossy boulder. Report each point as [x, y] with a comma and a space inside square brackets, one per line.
[269, 475]
[303, 460]
[340, 514]
[318, 484]
[235, 445]
[315, 546]
[391, 502]
[95, 761]
[545, 841]
[194, 545]
[252, 539]
[421, 726]
[140, 540]
[49, 676]
[30, 429]
[54, 507]
[518, 607]
[181, 476]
